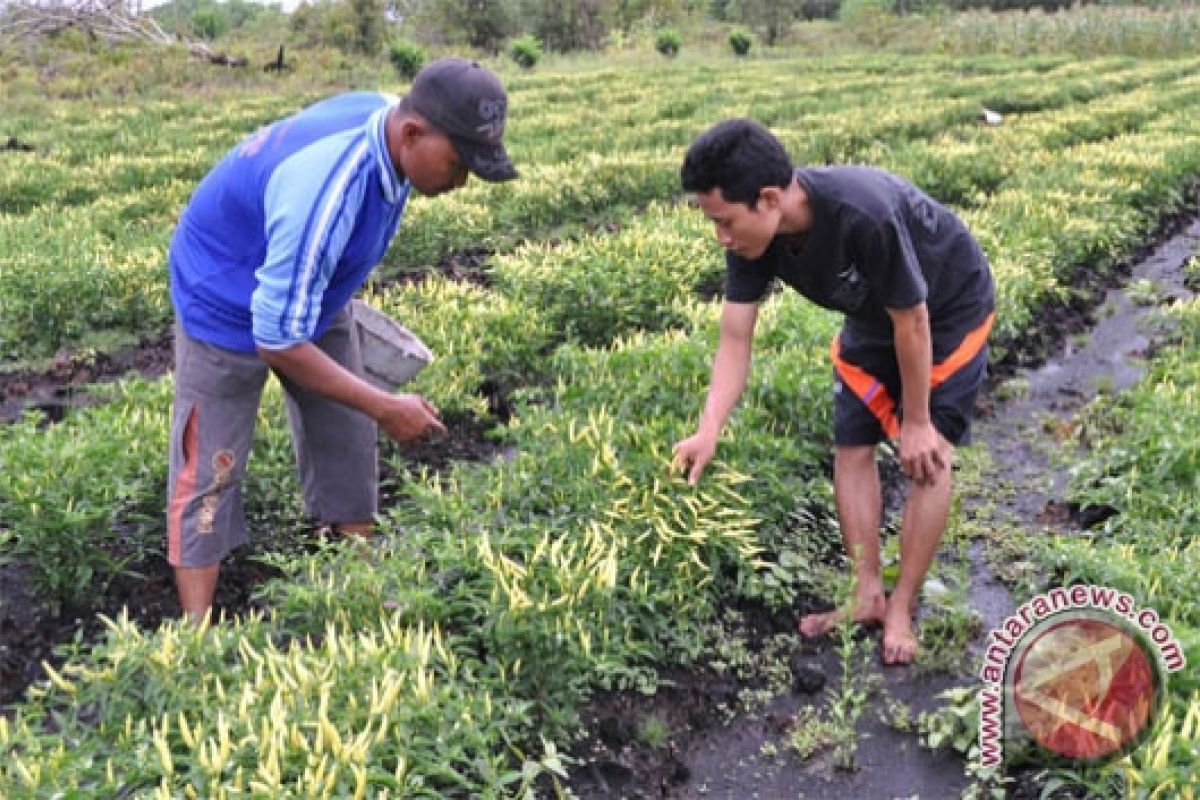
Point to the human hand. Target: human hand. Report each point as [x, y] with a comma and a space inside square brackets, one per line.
[409, 416]
[694, 452]
[924, 452]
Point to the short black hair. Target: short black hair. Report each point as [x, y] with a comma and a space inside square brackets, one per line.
[739, 157]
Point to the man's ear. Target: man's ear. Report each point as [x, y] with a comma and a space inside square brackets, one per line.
[410, 130]
[771, 196]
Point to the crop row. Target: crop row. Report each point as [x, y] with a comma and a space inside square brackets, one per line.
[158, 141]
[126, 150]
[578, 563]
[120, 207]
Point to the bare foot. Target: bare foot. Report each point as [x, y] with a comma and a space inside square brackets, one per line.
[869, 608]
[900, 643]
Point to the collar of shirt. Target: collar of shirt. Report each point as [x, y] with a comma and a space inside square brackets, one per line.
[394, 189]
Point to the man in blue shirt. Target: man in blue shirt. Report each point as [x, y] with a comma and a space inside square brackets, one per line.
[264, 262]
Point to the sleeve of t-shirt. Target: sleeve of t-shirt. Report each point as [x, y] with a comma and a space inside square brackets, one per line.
[889, 262]
[309, 215]
[746, 281]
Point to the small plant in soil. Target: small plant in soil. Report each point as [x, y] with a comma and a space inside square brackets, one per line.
[950, 624]
[1104, 384]
[1144, 292]
[987, 784]
[848, 700]
[1094, 782]
[811, 733]
[1009, 559]
[1012, 389]
[955, 724]
[763, 672]
[654, 732]
[1191, 272]
[897, 714]
[945, 634]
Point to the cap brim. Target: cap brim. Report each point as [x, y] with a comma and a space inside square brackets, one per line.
[488, 161]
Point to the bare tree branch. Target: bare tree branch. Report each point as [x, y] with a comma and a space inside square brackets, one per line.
[110, 21]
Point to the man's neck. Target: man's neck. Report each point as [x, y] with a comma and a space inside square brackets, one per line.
[797, 210]
[391, 135]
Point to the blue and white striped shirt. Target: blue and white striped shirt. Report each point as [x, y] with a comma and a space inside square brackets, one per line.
[280, 235]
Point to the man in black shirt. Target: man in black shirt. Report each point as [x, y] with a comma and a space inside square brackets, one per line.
[918, 300]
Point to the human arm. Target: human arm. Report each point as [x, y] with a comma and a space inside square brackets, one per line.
[889, 260]
[310, 214]
[922, 449]
[403, 416]
[731, 366]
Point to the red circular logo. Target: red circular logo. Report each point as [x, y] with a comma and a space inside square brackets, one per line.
[1086, 688]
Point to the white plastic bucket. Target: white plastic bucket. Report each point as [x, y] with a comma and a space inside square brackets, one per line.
[392, 354]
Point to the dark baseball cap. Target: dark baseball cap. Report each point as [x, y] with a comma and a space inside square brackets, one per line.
[466, 102]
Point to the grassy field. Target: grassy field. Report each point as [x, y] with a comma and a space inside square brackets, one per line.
[453, 660]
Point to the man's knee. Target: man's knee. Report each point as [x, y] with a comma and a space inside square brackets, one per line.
[852, 459]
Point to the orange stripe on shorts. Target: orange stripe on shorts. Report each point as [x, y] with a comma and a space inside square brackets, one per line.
[875, 396]
[868, 389]
[966, 351]
[185, 487]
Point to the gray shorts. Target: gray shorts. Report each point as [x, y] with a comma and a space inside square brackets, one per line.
[217, 394]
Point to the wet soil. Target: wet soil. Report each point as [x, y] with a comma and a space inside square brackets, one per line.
[715, 750]
[721, 743]
[62, 385]
[464, 266]
[1031, 422]
[1035, 416]
[32, 632]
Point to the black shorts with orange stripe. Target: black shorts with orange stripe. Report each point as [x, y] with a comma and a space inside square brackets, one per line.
[867, 388]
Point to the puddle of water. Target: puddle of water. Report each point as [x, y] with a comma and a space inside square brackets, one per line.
[1110, 356]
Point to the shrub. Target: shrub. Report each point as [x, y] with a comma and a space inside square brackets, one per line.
[406, 57]
[740, 41]
[526, 51]
[209, 23]
[871, 21]
[668, 42]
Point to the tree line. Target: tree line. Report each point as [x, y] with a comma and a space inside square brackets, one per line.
[489, 25]
[369, 27]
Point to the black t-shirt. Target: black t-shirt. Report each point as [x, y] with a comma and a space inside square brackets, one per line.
[876, 242]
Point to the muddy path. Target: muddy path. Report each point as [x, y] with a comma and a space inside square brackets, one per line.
[1015, 479]
[61, 384]
[1033, 410]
